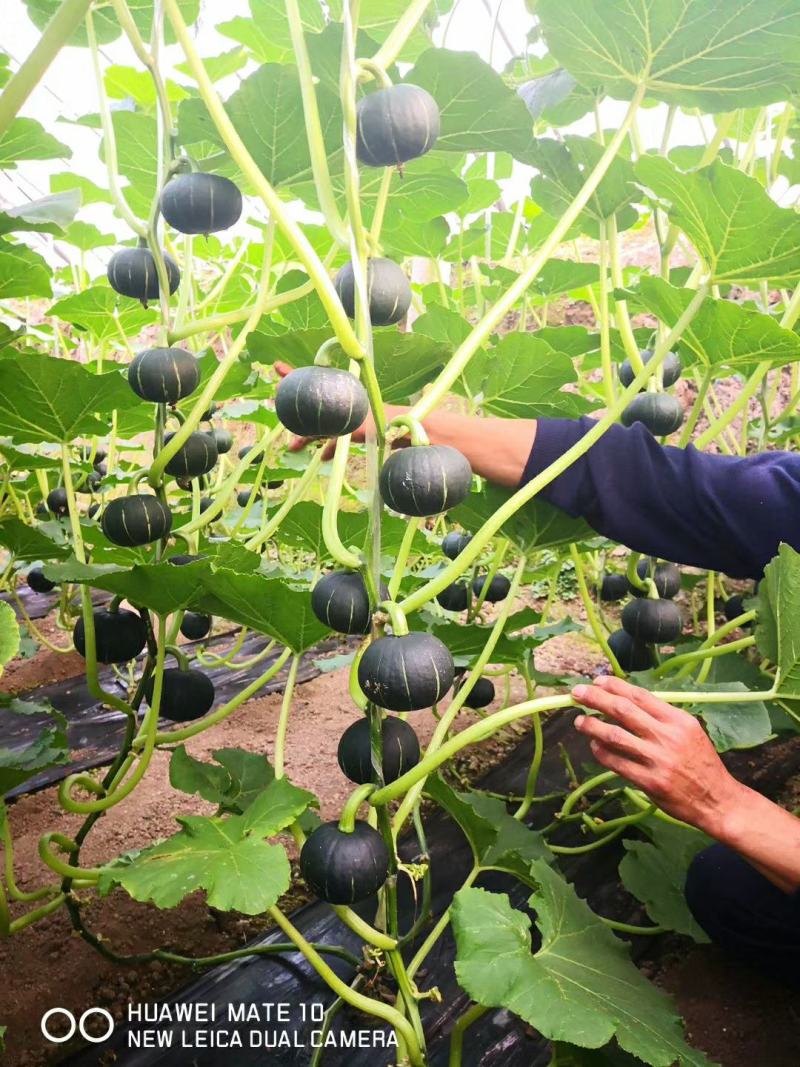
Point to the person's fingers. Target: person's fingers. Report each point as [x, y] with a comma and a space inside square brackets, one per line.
[618, 708]
[642, 698]
[329, 450]
[297, 444]
[282, 368]
[613, 761]
[615, 737]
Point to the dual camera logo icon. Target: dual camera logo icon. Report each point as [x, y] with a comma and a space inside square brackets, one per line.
[74, 1024]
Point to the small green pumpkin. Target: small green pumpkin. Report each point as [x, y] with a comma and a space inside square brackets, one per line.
[667, 578]
[425, 479]
[197, 455]
[395, 125]
[613, 587]
[406, 673]
[631, 653]
[185, 695]
[57, 501]
[481, 695]
[399, 747]
[119, 636]
[37, 581]
[454, 543]
[655, 622]
[134, 520]
[195, 626]
[388, 291]
[661, 413]
[344, 868]
[670, 369]
[341, 602]
[321, 402]
[164, 375]
[132, 272]
[455, 597]
[201, 203]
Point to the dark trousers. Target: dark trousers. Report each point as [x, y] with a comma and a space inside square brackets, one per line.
[745, 914]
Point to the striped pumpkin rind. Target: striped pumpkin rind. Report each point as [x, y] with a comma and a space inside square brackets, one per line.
[164, 375]
[136, 520]
[341, 601]
[395, 125]
[201, 203]
[132, 272]
[197, 456]
[321, 402]
[406, 673]
[425, 480]
[388, 291]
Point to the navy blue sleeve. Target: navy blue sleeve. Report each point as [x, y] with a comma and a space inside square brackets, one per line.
[723, 513]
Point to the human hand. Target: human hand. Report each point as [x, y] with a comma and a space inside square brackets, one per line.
[660, 749]
[297, 444]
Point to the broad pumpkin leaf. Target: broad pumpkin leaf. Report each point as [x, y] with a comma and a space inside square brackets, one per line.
[136, 136]
[44, 398]
[479, 112]
[557, 99]
[160, 587]
[129, 83]
[90, 193]
[379, 18]
[233, 781]
[27, 543]
[778, 629]
[23, 272]
[48, 749]
[443, 324]
[20, 460]
[218, 67]
[106, 25]
[536, 525]
[736, 227]
[238, 870]
[522, 377]
[28, 139]
[654, 872]
[466, 642]
[709, 54]
[99, 311]
[302, 528]
[266, 32]
[86, 236]
[736, 725]
[48, 214]
[722, 333]
[581, 985]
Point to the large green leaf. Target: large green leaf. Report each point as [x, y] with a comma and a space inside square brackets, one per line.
[90, 192]
[106, 24]
[23, 272]
[654, 872]
[27, 543]
[722, 333]
[96, 310]
[136, 137]
[48, 749]
[557, 99]
[302, 528]
[27, 139]
[48, 214]
[266, 32]
[581, 985]
[480, 113]
[536, 525]
[43, 398]
[736, 227]
[711, 54]
[233, 781]
[380, 17]
[778, 629]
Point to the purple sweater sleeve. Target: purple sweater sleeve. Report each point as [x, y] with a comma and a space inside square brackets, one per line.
[722, 513]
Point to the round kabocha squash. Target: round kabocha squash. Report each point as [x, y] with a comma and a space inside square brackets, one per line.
[223, 439]
[631, 653]
[481, 695]
[670, 369]
[734, 605]
[498, 589]
[138, 519]
[321, 402]
[655, 622]
[201, 203]
[340, 601]
[243, 498]
[395, 125]
[196, 456]
[344, 868]
[132, 272]
[406, 673]
[164, 375]
[37, 581]
[185, 695]
[613, 587]
[661, 413]
[195, 626]
[388, 291]
[455, 597]
[667, 578]
[400, 750]
[57, 501]
[425, 479]
[454, 543]
[119, 635]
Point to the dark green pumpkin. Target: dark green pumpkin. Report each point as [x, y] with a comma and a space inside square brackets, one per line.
[243, 498]
[119, 636]
[667, 578]
[455, 543]
[655, 622]
[400, 750]
[245, 450]
[341, 602]
[613, 587]
[195, 626]
[321, 402]
[661, 413]
[388, 291]
[223, 439]
[132, 272]
[134, 520]
[57, 501]
[185, 695]
[734, 605]
[197, 455]
[670, 368]
[182, 558]
[89, 483]
[396, 124]
[481, 695]
[425, 479]
[344, 868]
[201, 203]
[498, 589]
[164, 375]
[406, 673]
[631, 654]
[455, 597]
[37, 581]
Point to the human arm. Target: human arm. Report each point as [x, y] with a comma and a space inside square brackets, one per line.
[665, 752]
